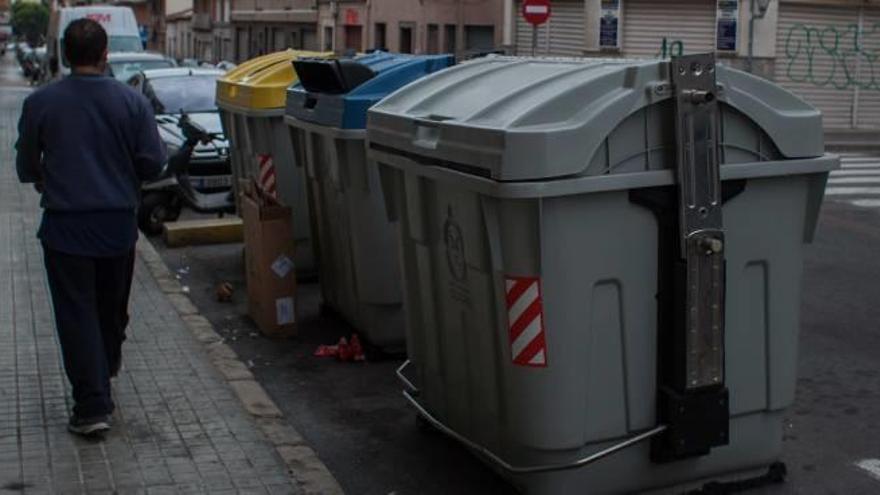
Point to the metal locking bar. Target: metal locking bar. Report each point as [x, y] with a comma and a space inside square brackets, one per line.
[410, 386]
[692, 399]
[700, 219]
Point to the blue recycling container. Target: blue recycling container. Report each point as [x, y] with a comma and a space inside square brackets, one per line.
[358, 262]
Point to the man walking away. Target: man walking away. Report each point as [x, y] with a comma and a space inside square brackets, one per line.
[87, 142]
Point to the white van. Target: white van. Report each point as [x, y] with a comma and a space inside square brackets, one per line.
[122, 32]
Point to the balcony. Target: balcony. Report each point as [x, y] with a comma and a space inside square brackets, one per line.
[201, 21]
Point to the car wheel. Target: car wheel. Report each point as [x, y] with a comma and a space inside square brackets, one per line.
[155, 210]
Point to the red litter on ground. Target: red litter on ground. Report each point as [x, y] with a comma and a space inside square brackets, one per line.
[345, 350]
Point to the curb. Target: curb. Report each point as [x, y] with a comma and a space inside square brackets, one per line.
[303, 465]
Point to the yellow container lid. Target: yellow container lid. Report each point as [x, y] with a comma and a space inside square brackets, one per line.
[262, 82]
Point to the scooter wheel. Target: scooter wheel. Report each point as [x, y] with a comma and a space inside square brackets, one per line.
[155, 210]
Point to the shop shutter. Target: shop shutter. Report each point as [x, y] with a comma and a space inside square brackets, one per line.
[647, 22]
[809, 43]
[868, 97]
[562, 35]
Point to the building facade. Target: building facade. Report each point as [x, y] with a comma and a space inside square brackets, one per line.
[411, 26]
[212, 30]
[178, 35]
[259, 27]
[822, 50]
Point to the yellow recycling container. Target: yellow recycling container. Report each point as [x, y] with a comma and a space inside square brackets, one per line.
[251, 98]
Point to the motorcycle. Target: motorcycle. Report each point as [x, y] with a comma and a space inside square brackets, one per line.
[164, 198]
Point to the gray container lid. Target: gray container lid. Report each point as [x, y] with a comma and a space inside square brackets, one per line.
[514, 118]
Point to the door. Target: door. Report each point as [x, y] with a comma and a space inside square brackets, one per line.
[280, 39]
[309, 39]
[353, 38]
[433, 38]
[479, 38]
[406, 38]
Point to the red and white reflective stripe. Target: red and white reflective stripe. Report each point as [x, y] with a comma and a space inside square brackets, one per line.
[267, 173]
[525, 320]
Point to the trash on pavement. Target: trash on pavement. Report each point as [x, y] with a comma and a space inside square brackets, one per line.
[224, 292]
[345, 350]
[268, 235]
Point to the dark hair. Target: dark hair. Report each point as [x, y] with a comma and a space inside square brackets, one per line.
[84, 42]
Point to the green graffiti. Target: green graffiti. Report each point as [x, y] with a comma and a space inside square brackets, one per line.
[833, 56]
[671, 49]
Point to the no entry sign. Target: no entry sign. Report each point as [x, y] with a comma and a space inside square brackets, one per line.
[536, 12]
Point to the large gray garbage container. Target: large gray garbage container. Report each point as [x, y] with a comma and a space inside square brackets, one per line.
[565, 234]
[251, 100]
[327, 112]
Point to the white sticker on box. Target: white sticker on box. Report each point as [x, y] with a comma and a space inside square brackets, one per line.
[284, 311]
[282, 266]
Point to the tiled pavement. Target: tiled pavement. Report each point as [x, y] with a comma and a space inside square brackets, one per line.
[179, 427]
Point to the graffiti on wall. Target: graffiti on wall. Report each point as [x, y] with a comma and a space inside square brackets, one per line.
[670, 48]
[839, 57]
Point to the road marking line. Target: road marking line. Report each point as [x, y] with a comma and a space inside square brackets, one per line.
[859, 158]
[872, 466]
[854, 180]
[838, 173]
[853, 166]
[866, 203]
[848, 191]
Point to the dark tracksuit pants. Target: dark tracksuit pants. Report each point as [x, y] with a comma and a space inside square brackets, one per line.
[90, 298]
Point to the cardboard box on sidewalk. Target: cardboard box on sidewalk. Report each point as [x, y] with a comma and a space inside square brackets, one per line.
[268, 245]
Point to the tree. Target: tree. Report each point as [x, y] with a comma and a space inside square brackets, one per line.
[30, 20]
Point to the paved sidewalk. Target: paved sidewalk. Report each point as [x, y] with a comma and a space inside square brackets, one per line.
[179, 427]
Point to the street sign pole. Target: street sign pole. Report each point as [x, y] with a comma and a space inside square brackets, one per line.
[535, 12]
[534, 38]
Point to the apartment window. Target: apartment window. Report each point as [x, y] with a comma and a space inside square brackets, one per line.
[449, 33]
[406, 38]
[380, 38]
[433, 38]
[328, 38]
[227, 8]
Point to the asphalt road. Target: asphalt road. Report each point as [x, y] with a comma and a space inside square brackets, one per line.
[354, 417]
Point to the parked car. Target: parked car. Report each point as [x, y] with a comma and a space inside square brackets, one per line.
[124, 65]
[180, 90]
[190, 62]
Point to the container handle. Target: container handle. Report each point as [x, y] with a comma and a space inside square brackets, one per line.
[529, 469]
